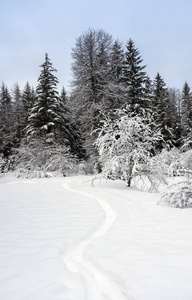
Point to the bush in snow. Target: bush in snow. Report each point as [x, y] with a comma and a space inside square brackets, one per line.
[178, 195]
[180, 163]
[171, 158]
[40, 159]
[186, 160]
[125, 146]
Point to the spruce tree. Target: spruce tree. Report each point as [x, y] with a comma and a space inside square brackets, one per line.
[63, 95]
[28, 99]
[148, 94]
[45, 120]
[174, 115]
[116, 89]
[134, 77]
[161, 111]
[19, 115]
[6, 122]
[49, 119]
[72, 130]
[186, 117]
[117, 59]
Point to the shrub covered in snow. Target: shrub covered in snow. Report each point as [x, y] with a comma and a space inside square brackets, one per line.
[172, 159]
[179, 163]
[186, 160]
[125, 146]
[44, 160]
[178, 195]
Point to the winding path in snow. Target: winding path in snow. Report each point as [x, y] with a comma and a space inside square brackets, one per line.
[75, 261]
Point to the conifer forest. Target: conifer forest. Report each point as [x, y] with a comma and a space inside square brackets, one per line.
[116, 119]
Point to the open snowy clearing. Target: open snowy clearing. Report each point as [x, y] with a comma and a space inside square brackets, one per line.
[63, 239]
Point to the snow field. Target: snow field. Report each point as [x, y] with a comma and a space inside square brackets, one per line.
[150, 247]
[102, 285]
[61, 238]
[39, 222]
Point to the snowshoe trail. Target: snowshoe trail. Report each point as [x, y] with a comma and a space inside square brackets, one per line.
[76, 261]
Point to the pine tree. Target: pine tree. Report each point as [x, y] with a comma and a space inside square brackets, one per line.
[134, 77]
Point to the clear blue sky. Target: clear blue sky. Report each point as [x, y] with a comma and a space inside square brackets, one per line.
[161, 30]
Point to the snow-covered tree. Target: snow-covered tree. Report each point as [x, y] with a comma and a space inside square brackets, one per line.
[91, 75]
[47, 119]
[6, 121]
[19, 114]
[28, 99]
[63, 95]
[148, 94]
[125, 145]
[117, 60]
[44, 118]
[161, 111]
[174, 115]
[116, 96]
[134, 77]
[186, 117]
[49, 125]
[71, 124]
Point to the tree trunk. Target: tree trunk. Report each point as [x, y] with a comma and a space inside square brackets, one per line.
[130, 172]
[129, 181]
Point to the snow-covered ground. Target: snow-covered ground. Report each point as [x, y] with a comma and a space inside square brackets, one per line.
[63, 239]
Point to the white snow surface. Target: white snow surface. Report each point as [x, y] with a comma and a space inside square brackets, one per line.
[65, 239]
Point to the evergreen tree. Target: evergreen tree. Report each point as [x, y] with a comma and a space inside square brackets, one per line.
[46, 120]
[161, 111]
[63, 95]
[49, 119]
[28, 99]
[148, 94]
[117, 59]
[6, 122]
[73, 131]
[19, 117]
[116, 90]
[173, 115]
[134, 77]
[186, 117]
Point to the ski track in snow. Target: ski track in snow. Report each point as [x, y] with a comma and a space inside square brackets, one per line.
[97, 279]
